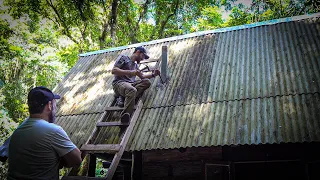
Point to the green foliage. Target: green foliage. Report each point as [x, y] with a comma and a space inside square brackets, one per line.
[27, 60]
[7, 126]
[68, 55]
[228, 4]
[275, 9]
[238, 17]
[5, 30]
[100, 171]
[3, 170]
[211, 18]
[93, 25]
[15, 101]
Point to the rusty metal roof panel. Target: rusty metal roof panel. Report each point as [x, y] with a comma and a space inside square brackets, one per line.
[281, 119]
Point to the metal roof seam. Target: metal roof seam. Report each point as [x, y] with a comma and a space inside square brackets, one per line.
[188, 104]
[284, 95]
[64, 115]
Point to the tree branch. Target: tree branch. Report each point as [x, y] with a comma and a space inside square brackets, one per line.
[164, 23]
[84, 31]
[65, 31]
[79, 6]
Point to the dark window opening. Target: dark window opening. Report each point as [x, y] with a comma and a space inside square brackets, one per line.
[217, 172]
[314, 170]
[270, 170]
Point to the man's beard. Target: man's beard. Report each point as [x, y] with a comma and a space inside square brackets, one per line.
[52, 117]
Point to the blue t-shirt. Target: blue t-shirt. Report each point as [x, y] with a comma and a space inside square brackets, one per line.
[125, 63]
[35, 149]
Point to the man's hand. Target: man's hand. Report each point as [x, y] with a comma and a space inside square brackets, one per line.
[156, 72]
[136, 72]
[133, 72]
[139, 74]
[71, 159]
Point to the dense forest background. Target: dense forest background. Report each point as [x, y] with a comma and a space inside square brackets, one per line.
[41, 39]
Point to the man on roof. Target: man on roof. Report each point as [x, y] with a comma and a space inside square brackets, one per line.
[125, 84]
[38, 147]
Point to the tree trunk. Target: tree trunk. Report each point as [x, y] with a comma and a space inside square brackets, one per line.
[164, 23]
[113, 21]
[132, 34]
[59, 19]
[102, 38]
[135, 29]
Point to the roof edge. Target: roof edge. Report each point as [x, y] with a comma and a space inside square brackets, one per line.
[200, 33]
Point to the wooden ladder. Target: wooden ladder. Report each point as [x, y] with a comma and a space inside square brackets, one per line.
[116, 149]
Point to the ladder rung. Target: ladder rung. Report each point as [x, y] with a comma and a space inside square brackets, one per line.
[101, 147]
[148, 61]
[146, 70]
[116, 108]
[104, 124]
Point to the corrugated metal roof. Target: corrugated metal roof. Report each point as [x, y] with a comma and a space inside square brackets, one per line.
[79, 127]
[238, 68]
[255, 121]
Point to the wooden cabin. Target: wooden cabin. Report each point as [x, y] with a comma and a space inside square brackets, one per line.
[237, 103]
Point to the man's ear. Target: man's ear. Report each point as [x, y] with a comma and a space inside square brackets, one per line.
[50, 105]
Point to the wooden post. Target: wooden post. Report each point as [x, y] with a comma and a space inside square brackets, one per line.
[164, 64]
[92, 166]
[136, 165]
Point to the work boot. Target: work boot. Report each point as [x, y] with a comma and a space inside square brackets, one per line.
[137, 99]
[125, 117]
[120, 101]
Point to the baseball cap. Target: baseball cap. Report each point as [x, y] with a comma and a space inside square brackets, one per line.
[41, 95]
[143, 50]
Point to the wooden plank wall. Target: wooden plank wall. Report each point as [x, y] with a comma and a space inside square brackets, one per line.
[185, 163]
[183, 154]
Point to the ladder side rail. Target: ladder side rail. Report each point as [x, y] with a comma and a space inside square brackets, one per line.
[124, 141]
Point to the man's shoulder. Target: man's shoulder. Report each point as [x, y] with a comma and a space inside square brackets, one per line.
[123, 58]
[122, 62]
[49, 127]
[54, 130]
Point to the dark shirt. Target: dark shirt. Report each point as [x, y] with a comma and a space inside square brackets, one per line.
[125, 63]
